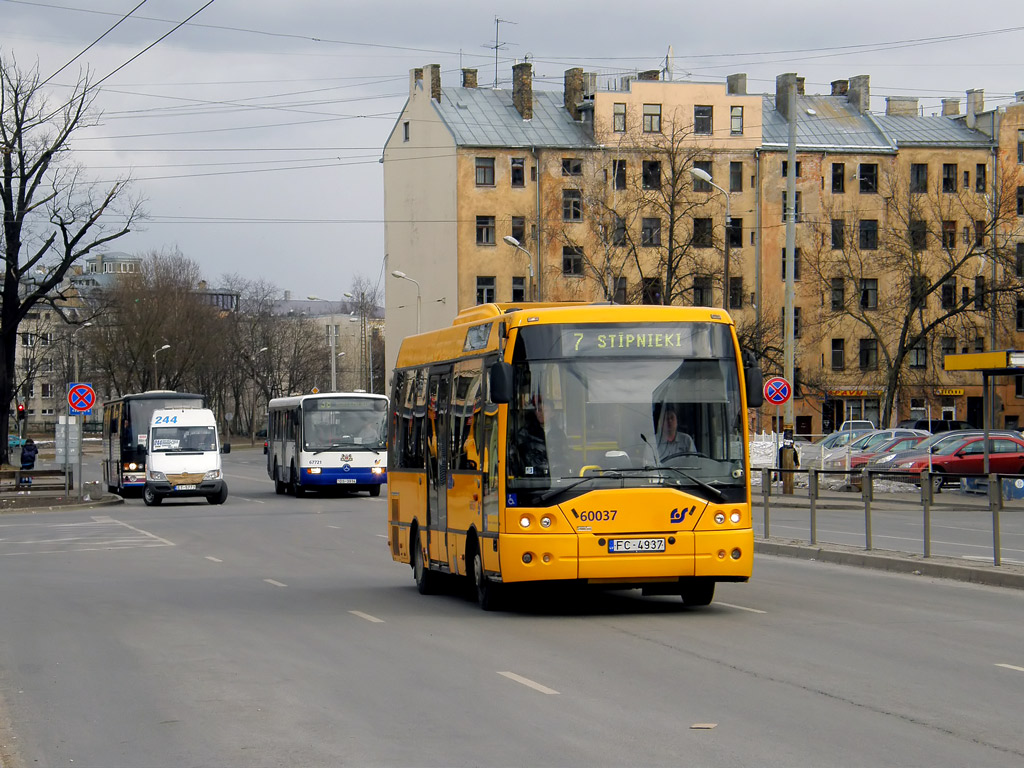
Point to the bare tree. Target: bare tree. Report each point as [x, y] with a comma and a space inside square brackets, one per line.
[52, 214]
[912, 272]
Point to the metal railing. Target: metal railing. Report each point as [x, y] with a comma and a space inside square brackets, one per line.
[862, 484]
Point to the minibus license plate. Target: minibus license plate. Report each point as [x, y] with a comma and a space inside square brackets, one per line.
[346, 480]
[184, 487]
[636, 545]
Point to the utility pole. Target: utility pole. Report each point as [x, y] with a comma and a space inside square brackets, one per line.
[789, 82]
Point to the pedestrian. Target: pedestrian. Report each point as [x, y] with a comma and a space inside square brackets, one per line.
[29, 451]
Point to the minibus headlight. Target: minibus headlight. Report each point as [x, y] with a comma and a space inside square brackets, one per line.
[213, 474]
[157, 475]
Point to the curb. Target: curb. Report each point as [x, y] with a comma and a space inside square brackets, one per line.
[43, 506]
[895, 562]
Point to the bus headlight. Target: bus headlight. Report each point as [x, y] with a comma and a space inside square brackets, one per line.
[213, 474]
[735, 516]
[131, 467]
[524, 522]
[546, 521]
[313, 470]
[719, 517]
[157, 475]
[377, 470]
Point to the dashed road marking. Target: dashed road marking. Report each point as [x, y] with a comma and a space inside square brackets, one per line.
[739, 607]
[528, 683]
[367, 616]
[1011, 666]
[213, 559]
[275, 583]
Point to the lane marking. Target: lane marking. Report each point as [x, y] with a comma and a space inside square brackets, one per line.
[703, 726]
[1011, 666]
[740, 607]
[144, 533]
[213, 559]
[275, 583]
[254, 501]
[528, 683]
[335, 527]
[367, 616]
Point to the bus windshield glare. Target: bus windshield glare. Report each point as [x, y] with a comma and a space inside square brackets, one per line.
[350, 423]
[626, 407]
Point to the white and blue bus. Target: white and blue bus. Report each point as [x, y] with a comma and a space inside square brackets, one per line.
[328, 440]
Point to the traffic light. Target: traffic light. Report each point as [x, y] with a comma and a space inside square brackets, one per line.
[21, 410]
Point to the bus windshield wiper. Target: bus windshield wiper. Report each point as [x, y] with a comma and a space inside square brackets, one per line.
[552, 492]
[703, 485]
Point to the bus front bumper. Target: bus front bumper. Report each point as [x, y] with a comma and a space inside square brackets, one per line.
[340, 478]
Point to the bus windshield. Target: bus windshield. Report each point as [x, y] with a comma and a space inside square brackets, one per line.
[349, 423]
[619, 407]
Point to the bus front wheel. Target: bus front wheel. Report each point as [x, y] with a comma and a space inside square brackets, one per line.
[426, 580]
[487, 591]
[698, 592]
[374, 490]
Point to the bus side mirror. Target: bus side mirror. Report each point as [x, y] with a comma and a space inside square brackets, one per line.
[754, 378]
[501, 383]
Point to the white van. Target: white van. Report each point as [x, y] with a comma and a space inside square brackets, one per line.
[183, 456]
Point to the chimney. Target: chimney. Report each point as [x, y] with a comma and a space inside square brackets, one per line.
[650, 74]
[522, 89]
[950, 107]
[783, 84]
[904, 106]
[435, 81]
[859, 94]
[800, 86]
[975, 105]
[287, 295]
[469, 78]
[840, 87]
[736, 85]
[415, 78]
[573, 91]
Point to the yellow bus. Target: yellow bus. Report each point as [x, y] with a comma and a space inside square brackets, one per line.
[533, 443]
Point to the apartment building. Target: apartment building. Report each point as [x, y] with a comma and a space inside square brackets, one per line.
[906, 224]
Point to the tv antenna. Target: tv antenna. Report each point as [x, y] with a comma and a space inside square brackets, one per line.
[498, 45]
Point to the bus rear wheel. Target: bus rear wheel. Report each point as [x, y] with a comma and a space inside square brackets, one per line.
[279, 486]
[697, 592]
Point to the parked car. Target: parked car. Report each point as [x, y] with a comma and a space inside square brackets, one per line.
[1006, 456]
[923, 448]
[892, 445]
[935, 425]
[811, 455]
[837, 458]
[856, 424]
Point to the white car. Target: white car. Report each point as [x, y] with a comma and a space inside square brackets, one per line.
[837, 458]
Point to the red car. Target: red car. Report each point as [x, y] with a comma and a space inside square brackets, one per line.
[1005, 456]
[858, 460]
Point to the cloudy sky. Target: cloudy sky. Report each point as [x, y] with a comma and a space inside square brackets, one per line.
[254, 131]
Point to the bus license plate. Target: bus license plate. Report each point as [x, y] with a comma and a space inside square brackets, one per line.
[342, 480]
[184, 487]
[636, 545]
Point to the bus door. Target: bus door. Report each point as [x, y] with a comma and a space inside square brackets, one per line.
[436, 452]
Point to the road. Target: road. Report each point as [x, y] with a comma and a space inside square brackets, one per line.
[276, 631]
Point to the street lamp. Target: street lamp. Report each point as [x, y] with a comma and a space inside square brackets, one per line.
[332, 344]
[156, 380]
[529, 260]
[402, 276]
[700, 173]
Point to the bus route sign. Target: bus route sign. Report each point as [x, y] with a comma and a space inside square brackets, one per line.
[81, 398]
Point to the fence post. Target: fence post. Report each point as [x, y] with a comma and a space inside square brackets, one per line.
[812, 491]
[926, 502]
[866, 490]
[995, 502]
[766, 490]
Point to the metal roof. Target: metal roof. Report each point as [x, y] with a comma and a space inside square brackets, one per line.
[834, 124]
[484, 117]
[933, 130]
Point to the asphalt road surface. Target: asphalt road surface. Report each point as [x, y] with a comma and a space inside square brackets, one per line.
[275, 631]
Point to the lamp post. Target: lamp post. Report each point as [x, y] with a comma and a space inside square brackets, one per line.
[402, 276]
[365, 339]
[529, 260]
[156, 379]
[700, 173]
[332, 345]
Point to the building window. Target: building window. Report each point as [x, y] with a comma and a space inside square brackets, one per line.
[652, 118]
[869, 293]
[1018, 381]
[1019, 264]
[735, 177]
[618, 230]
[572, 205]
[485, 171]
[796, 207]
[485, 230]
[949, 235]
[735, 292]
[868, 354]
[980, 178]
[46, 390]
[1020, 201]
[405, 131]
[519, 228]
[869, 234]
[947, 295]
[702, 233]
[979, 343]
[485, 290]
[27, 340]
[979, 233]
[838, 178]
[796, 322]
[572, 166]
[919, 355]
[919, 291]
[785, 169]
[45, 339]
[1020, 146]
[979, 292]
[947, 345]
[838, 354]
[736, 121]
[702, 120]
[702, 292]
[620, 290]
[838, 293]
[949, 177]
[619, 118]
[838, 235]
[796, 263]
[918, 178]
[518, 172]
[868, 175]
[651, 174]
[652, 290]
[518, 289]
[572, 260]
[734, 231]
[650, 232]
[1020, 314]
[699, 185]
[618, 174]
[918, 235]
